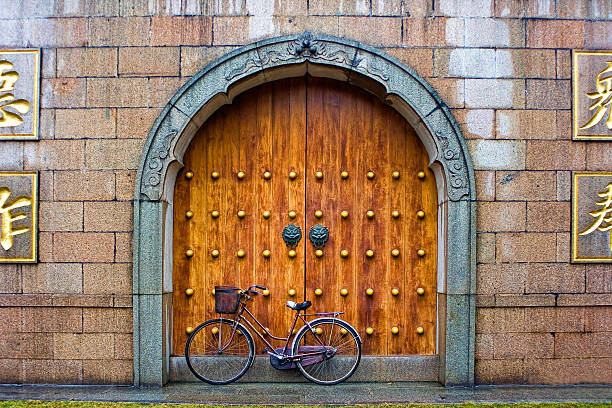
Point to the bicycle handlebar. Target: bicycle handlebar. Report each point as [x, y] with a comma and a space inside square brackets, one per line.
[254, 292]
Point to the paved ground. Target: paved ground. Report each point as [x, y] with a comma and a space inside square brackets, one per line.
[348, 393]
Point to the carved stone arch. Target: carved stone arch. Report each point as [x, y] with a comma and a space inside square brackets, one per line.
[282, 57]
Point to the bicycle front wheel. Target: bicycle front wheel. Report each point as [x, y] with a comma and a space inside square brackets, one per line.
[218, 354]
[332, 348]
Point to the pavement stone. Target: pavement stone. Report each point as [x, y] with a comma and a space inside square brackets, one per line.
[291, 393]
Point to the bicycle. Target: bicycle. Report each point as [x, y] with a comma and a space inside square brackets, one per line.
[326, 350]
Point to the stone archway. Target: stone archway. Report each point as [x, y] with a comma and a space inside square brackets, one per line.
[284, 57]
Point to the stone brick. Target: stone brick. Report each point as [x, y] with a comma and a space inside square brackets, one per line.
[84, 185]
[526, 124]
[452, 91]
[55, 32]
[501, 216]
[62, 93]
[484, 347]
[163, 88]
[498, 371]
[568, 371]
[590, 299]
[485, 301]
[48, 58]
[11, 371]
[521, 345]
[179, 30]
[52, 371]
[86, 346]
[108, 372]
[465, 8]
[597, 319]
[45, 247]
[555, 34]
[22, 300]
[231, 31]
[339, 7]
[112, 154]
[108, 216]
[130, 31]
[497, 154]
[564, 64]
[599, 156]
[563, 246]
[125, 182]
[10, 319]
[597, 35]
[489, 63]
[548, 94]
[591, 10]
[123, 248]
[107, 278]
[298, 24]
[564, 185]
[149, 61]
[26, 345]
[419, 59]
[107, 320]
[526, 185]
[476, 123]
[564, 125]
[123, 301]
[548, 216]
[60, 216]
[485, 185]
[388, 29]
[83, 247]
[554, 278]
[135, 123]
[85, 123]
[53, 277]
[82, 301]
[414, 8]
[124, 346]
[193, 59]
[51, 320]
[494, 93]
[45, 186]
[501, 320]
[11, 155]
[117, 92]
[10, 279]
[485, 248]
[526, 247]
[555, 319]
[500, 278]
[598, 279]
[86, 62]
[433, 32]
[54, 155]
[522, 9]
[583, 345]
[481, 32]
[46, 124]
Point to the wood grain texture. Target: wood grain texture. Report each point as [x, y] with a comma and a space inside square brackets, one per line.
[308, 125]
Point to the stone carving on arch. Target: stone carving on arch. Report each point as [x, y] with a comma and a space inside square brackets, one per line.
[282, 57]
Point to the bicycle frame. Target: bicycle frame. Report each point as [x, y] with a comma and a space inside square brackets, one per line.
[239, 318]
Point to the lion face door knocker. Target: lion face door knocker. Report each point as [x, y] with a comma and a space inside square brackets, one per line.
[292, 234]
[318, 235]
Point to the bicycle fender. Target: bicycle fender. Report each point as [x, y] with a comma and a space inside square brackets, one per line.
[323, 319]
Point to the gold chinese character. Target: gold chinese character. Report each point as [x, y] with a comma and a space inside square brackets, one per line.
[7, 100]
[6, 218]
[604, 98]
[602, 222]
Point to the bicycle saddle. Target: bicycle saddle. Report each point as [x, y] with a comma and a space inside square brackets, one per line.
[299, 306]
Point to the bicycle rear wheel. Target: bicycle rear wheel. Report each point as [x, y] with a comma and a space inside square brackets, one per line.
[217, 354]
[338, 346]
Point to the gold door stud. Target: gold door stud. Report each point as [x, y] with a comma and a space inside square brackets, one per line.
[395, 214]
[291, 292]
[318, 291]
[420, 330]
[189, 214]
[292, 175]
[369, 291]
[189, 253]
[370, 214]
[344, 253]
[241, 214]
[395, 291]
[267, 175]
[420, 213]
[266, 253]
[240, 253]
[344, 175]
[421, 252]
[189, 175]
[395, 174]
[189, 291]
[215, 253]
[319, 175]
[370, 175]
[369, 253]
[343, 292]
[369, 331]
[420, 291]
[189, 330]
[395, 252]
[292, 214]
[214, 214]
[214, 175]
[421, 175]
[240, 175]
[318, 213]
[319, 253]
[266, 214]
[266, 292]
[292, 253]
[344, 214]
[394, 330]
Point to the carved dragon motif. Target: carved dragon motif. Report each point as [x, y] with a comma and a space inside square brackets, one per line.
[458, 180]
[155, 164]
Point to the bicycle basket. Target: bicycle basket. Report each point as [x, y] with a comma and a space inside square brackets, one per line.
[227, 299]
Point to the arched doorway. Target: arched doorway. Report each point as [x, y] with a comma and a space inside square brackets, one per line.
[414, 103]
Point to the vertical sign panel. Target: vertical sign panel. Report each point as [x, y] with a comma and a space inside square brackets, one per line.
[592, 217]
[18, 217]
[19, 94]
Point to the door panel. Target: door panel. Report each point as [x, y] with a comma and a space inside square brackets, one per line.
[308, 125]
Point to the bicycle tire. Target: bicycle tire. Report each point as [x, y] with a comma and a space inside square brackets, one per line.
[342, 364]
[214, 367]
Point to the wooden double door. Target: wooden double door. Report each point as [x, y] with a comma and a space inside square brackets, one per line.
[310, 151]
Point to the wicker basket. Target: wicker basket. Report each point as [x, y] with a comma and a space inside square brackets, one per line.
[227, 299]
